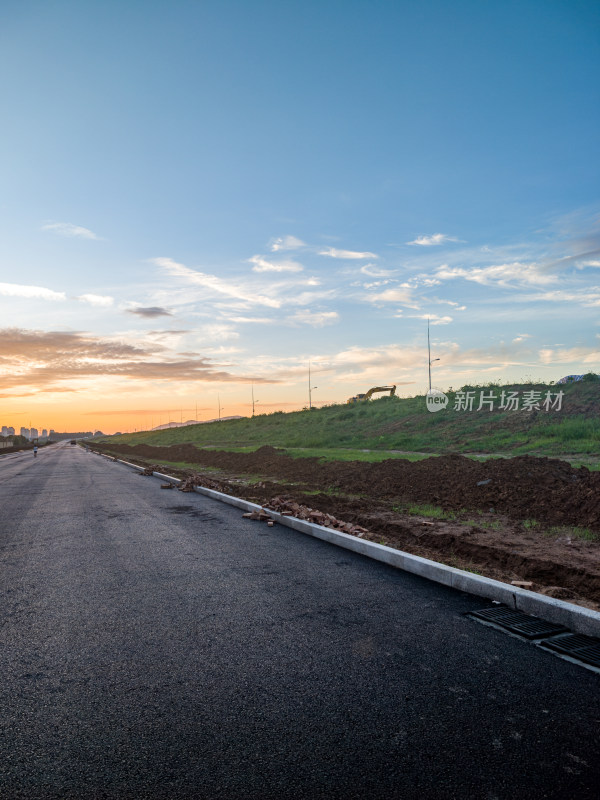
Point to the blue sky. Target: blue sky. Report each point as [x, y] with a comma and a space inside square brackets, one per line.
[198, 196]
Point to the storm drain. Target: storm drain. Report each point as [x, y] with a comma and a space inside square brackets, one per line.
[517, 622]
[585, 650]
[576, 645]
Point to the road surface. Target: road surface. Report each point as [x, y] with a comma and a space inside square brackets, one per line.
[154, 644]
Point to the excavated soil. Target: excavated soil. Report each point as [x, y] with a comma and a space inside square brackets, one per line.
[511, 519]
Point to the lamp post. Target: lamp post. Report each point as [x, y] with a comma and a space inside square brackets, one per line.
[219, 401]
[310, 388]
[429, 354]
[253, 400]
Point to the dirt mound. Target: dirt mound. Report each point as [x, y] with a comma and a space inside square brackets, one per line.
[526, 487]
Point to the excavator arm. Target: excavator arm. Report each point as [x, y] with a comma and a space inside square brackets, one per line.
[377, 389]
[359, 398]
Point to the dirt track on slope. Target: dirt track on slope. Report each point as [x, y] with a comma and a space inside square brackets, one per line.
[511, 519]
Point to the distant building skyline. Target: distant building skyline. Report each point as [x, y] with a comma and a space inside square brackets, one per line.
[28, 433]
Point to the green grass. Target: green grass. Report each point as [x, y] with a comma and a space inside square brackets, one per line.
[530, 523]
[369, 431]
[187, 466]
[425, 510]
[584, 534]
[492, 525]
[338, 454]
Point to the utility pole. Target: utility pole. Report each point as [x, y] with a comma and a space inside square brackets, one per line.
[253, 400]
[219, 401]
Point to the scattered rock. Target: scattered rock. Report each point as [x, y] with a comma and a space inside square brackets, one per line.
[260, 516]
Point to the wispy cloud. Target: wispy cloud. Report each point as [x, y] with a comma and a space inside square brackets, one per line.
[47, 360]
[286, 243]
[102, 301]
[32, 292]
[433, 318]
[149, 312]
[456, 306]
[253, 320]
[262, 265]
[399, 295]
[585, 297]
[420, 280]
[317, 319]
[582, 355]
[400, 363]
[333, 252]
[505, 275]
[69, 230]
[434, 239]
[373, 271]
[214, 284]
[218, 332]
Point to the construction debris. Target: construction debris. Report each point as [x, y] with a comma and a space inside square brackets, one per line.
[150, 470]
[289, 508]
[189, 484]
[166, 486]
[261, 515]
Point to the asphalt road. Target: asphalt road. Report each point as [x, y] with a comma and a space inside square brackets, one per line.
[154, 644]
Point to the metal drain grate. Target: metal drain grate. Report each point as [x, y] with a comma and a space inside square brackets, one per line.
[517, 622]
[576, 645]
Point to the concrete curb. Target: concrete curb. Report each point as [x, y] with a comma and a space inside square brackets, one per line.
[576, 618]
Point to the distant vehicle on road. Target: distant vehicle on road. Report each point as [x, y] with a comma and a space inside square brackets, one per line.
[73, 441]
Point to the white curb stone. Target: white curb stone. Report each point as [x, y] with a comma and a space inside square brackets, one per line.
[574, 617]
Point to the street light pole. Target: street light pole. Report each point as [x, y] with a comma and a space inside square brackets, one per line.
[429, 353]
[310, 388]
[430, 362]
[253, 400]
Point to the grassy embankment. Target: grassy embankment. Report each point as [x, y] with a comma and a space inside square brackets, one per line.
[344, 432]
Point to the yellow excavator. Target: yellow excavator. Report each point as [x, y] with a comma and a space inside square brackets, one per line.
[360, 398]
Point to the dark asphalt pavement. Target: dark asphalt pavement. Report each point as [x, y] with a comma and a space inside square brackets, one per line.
[154, 644]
